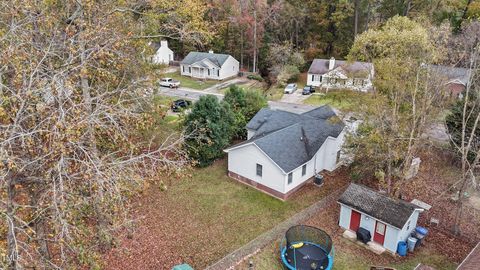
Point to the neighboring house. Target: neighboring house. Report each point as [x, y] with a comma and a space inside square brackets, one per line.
[456, 79]
[338, 74]
[209, 65]
[284, 150]
[163, 54]
[388, 220]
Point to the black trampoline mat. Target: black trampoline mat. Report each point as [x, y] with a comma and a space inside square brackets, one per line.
[308, 254]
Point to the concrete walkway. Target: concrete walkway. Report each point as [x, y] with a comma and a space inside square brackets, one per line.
[232, 259]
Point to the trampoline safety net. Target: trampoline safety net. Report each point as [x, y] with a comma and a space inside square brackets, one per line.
[303, 233]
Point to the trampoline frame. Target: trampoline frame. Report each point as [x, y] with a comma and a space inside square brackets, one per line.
[284, 248]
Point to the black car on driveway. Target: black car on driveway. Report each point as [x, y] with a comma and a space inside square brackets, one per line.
[180, 104]
[308, 89]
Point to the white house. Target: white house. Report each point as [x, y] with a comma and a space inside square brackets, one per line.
[163, 55]
[209, 66]
[284, 150]
[339, 74]
[388, 220]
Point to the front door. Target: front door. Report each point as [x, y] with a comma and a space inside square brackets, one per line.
[379, 235]
[354, 221]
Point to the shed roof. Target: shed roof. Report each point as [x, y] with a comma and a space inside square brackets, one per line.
[216, 58]
[392, 211]
[304, 134]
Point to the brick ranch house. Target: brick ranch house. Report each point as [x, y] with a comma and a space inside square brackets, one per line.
[284, 150]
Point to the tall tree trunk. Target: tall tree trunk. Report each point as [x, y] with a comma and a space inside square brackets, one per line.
[39, 227]
[356, 11]
[408, 5]
[241, 49]
[11, 234]
[465, 11]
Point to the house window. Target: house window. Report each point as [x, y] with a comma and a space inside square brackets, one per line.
[290, 178]
[183, 68]
[208, 71]
[259, 170]
[338, 156]
[320, 78]
[313, 78]
[304, 169]
[189, 70]
[408, 225]
[380, 229]
[218, 73]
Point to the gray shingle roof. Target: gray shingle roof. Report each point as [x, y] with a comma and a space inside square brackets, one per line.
[320, 66]
[193, 57]
[452, 73]
[291, 139]
[386, 209]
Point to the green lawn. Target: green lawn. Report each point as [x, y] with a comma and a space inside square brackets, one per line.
[191, 82]
[341, 99]
[207, 215]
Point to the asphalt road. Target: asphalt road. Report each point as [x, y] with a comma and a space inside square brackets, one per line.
[191, 94]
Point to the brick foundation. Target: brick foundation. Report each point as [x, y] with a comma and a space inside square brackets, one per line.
[265, 189]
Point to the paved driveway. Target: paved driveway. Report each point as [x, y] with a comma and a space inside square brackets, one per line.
[192, 94]
[295, 97]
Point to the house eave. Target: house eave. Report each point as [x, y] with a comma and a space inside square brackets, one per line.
[346, 205]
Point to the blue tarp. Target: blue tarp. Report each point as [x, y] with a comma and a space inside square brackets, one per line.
[182, 267]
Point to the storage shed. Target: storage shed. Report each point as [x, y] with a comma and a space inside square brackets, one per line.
[388, 220]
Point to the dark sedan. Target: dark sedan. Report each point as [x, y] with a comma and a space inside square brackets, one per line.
[180, 104]
[308, 89]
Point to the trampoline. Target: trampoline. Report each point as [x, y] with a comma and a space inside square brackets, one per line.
[307, 248]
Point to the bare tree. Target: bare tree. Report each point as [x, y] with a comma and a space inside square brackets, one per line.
[71, 106]
[465, 139]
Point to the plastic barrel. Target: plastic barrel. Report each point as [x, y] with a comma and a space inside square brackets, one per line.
[402, 248]
[411, 243]
[420, 232]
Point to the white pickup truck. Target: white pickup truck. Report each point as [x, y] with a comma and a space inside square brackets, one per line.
[169, 82]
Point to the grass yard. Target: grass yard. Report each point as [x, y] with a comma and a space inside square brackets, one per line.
[344, 100]
[191, 82]
[202, 216]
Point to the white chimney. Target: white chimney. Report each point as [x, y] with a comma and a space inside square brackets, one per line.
[210, 51]
[163, 43]
[331, 64]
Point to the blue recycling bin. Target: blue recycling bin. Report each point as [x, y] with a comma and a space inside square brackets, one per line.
[402, 248]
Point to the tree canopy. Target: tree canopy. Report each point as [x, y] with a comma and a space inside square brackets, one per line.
[209, 127]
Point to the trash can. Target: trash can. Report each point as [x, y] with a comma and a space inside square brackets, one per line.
[402, 248]
[318, 179]
[411, 243]
[420, 232]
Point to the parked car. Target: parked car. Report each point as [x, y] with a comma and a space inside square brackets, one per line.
[291, 87]
[308, 89]
[180, 104]
[169, 82]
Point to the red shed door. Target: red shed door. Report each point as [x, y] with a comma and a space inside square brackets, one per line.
[379, 236]
[354, 221]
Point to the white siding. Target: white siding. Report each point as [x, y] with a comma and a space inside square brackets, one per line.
[408, 228]
[315, 81]
[163, 56]
[297, 178]
[345, 215]
[230, 68]
[326, 158]
[391, 239]
[243, 161]
[367, 222]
